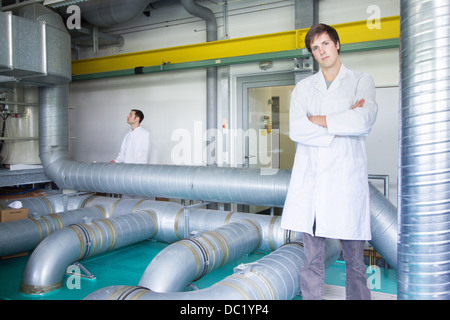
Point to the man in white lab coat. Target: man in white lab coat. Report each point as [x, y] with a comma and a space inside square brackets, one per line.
[135, 146]
[331, 112]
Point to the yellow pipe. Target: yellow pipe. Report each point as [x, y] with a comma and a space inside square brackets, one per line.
[351, 32]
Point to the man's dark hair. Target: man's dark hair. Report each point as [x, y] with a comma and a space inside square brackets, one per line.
[317, 30]
[138, 113]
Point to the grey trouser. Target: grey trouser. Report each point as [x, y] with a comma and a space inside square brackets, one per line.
[312, 274]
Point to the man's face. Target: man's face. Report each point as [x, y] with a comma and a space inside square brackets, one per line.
[131, 118]
[325, 51]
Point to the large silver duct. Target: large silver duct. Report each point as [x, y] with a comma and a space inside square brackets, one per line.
[175, 222]
[224, 236]
[199, 256]
[24, 235]
[229, 185]
[274, 277]
[46, 266]
[112, 12]
[424, 188]
[49, 204]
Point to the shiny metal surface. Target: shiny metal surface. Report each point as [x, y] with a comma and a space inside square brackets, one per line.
[190, 259]
[274, 277]
[24, 235]
[45, 268]
[383, 225]
[424, 186]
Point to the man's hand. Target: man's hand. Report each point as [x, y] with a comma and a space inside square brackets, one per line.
[359, 104]
[322, 120]
[319, 120]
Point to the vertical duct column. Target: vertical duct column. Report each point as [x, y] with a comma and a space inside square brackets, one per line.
[424, 197]
[211, 78]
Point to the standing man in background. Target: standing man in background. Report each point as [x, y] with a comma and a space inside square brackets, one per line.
[136, 144]
[331, 113]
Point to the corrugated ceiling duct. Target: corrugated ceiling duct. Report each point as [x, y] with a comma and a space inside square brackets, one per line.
[112, 12]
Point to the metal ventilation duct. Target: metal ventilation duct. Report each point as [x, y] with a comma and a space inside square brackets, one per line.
[106, 13]
[424, 189]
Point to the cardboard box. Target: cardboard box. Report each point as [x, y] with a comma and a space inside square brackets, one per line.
[13, 214]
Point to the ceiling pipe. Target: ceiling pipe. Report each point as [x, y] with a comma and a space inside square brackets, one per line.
[107, 13]
[211, 79]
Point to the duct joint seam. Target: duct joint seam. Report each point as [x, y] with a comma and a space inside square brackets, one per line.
[83, 236]
[152, 215]
[204, 254]
[124, 295]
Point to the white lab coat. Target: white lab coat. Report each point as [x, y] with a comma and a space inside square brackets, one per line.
[135, 147]
[329, 179]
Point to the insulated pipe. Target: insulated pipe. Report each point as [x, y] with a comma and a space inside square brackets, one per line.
[113, 207]
[272, 235]
[112, 12]
[215, 184]
[211, 79]
[383, 225]
[48, 204]
[45, 269]
[23, 235]
[274, 277]
[46, 215]
[171, 216]
[204, 13]
[424, 186]
[199, 256]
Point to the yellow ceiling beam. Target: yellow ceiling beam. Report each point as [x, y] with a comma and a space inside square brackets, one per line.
[352, 32]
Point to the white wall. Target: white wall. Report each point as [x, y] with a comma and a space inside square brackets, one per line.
[175, 102]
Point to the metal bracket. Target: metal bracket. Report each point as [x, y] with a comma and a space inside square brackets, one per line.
[186, 211]
[87, 275]
[243, 268]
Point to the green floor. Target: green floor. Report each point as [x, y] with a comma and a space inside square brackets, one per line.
[125, 267]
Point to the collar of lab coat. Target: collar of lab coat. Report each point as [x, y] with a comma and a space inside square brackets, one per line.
[320, 84]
